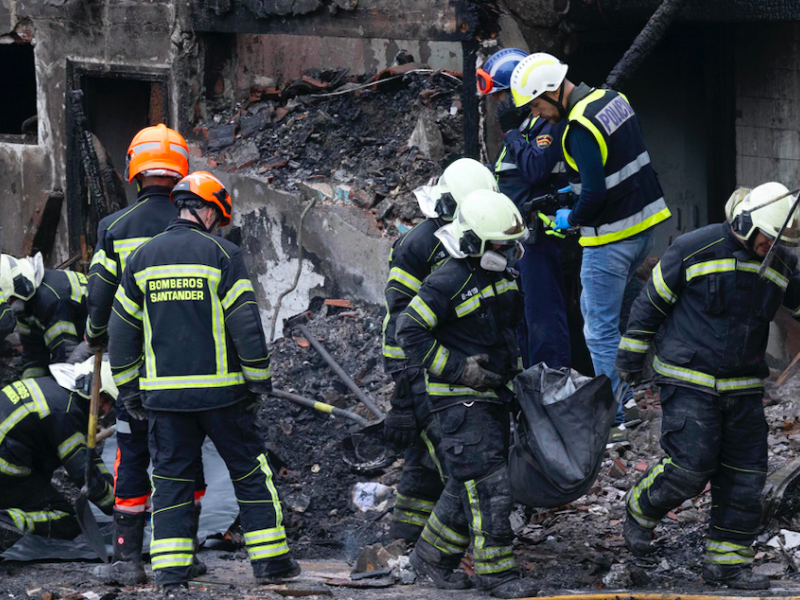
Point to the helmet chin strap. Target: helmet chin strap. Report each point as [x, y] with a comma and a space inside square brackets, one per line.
[202, 223]
[557, 103]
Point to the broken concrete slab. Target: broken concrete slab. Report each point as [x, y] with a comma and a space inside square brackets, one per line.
[243, 156]
[222, 136]
[426, 136]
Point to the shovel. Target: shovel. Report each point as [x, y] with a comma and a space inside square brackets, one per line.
[86, 519]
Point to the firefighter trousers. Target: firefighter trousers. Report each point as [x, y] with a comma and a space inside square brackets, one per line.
[131, 479]
[476, 503]
[175, 442]
[721, 439]
[36, 507]
[423, 477]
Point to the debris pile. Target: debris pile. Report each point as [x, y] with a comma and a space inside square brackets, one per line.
[365, 140]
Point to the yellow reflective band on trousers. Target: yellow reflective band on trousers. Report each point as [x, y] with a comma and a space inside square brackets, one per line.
[705, 380]
[72, 443]
[432, 454]
[394, 352]
[100, 258]
[266, 543]
[634, 508]
[650, 216]
[488, 560]
[443, 538]
[446, 389]
[171, 552]
[414, 511]
[728, 553]
[634, 345]
[404, 277]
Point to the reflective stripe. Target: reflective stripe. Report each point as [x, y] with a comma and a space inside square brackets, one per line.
[440, 360]
[728, 553]
[576, 115]
[443, 538]
[749, 266]
[21, 520]
[397, 352]
[100, 258]
[424, 311]
[446, 389]
[406, 278]
[123, 426]
[77, 285]
[180, 150]
[468, 306]
[60, 328]
[145, 146]
[561, 167]
[504, 166]
[276, 502]
[123, 248]
[776, 278]
[501, 287]
[493, 552]
[723, 265]
[417, 504]
[632, 502]
[698, 378]
[651, 215]
[404, 516]
[164, 561]
[38, 397]
[479, 541]
[253, 374]
[74, 441]
[13, 470]
[661, 286]
[44, 516]
[264, 535]
[714, 546]
[131, 307]
[127, 375]
[162, 271]
[191, 381]
[628, 170]
[259, 552]
[634, 345]
[171, 545]
[238, 288]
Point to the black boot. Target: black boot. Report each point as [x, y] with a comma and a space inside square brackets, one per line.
[275, 570]
[739, 577]
[638, 539]
[126, 567]
[198, 567]
[10, 534]
[404, 531]
[443, 578]
[516, 587]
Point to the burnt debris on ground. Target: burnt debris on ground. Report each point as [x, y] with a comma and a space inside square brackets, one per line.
[372, 142]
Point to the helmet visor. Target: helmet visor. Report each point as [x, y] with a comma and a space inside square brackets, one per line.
[485, 82]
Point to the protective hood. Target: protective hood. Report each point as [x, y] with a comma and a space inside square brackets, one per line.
[427, 195]
[65, 376]
[38, 268]
[447, 236]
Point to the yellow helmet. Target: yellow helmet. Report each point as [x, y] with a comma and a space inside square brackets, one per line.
[460, 179]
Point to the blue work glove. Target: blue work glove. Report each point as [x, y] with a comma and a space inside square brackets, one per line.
[562, 219]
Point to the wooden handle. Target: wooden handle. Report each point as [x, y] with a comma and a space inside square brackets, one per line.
[94, 404]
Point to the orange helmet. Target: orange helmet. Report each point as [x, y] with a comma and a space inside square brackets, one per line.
[204, 186]
[157, 152]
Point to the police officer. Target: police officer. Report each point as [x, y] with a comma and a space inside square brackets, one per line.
[414, 255]
[461, 326]
[50, 308]
[43, 423]
[715, 309]
[157, 159]
[186, 343]
[619, 197]
[525, 171]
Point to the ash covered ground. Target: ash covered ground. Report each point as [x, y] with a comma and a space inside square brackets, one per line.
[575, 547]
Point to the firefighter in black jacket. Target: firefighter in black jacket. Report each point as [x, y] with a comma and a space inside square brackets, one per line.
[715, 311]
[413, 257]
[42, 427]
[157, 159]
[186, 343]
[7, 321]
[461, 326]
[50, 308]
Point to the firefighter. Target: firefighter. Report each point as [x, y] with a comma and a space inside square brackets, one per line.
[715, 310]
[157, 159]
[50, 309]
[7, 321]
[44, 422]
[461, 326]
[186, 343]
[408, 424]
[532, 169]
[619, 197]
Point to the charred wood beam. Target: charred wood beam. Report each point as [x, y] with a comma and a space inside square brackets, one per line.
[439, 20]
[604, 12]
[644, 44]
[469, 99]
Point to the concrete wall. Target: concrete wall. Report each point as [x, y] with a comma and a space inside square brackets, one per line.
[102, 33]
[346, 255]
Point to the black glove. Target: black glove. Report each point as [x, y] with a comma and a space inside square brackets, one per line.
[478, 378]
[509, 116]
[79, 354]
[133, 404]
[631, 377]
[101, 491]
[253, 404]
[96, 343]
[400, 427]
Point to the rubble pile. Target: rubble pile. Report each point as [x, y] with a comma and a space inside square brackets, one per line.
[368, 143]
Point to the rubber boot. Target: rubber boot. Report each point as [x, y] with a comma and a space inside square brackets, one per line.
[275, 570]
[126, 567]
[442, 577]
[404, 531]
[198, 567]
[512, 588]
[739, 577]
[10, 534]
[638, 539]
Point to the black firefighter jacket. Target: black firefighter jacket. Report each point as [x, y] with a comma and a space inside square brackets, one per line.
[462, 310]
[42, 427]
[118, 235]
[53, 321]
[185, 327]
[715, 310]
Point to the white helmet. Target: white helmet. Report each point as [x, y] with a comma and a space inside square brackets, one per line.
[535, 75]
[19, 277]
[458, 180]
[486, 217]
[764, 209]
[83, 378]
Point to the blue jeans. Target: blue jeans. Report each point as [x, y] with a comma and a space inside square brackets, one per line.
[605, 272]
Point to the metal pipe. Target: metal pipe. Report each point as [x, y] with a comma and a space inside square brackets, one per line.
[338, 370]
[320, 406]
